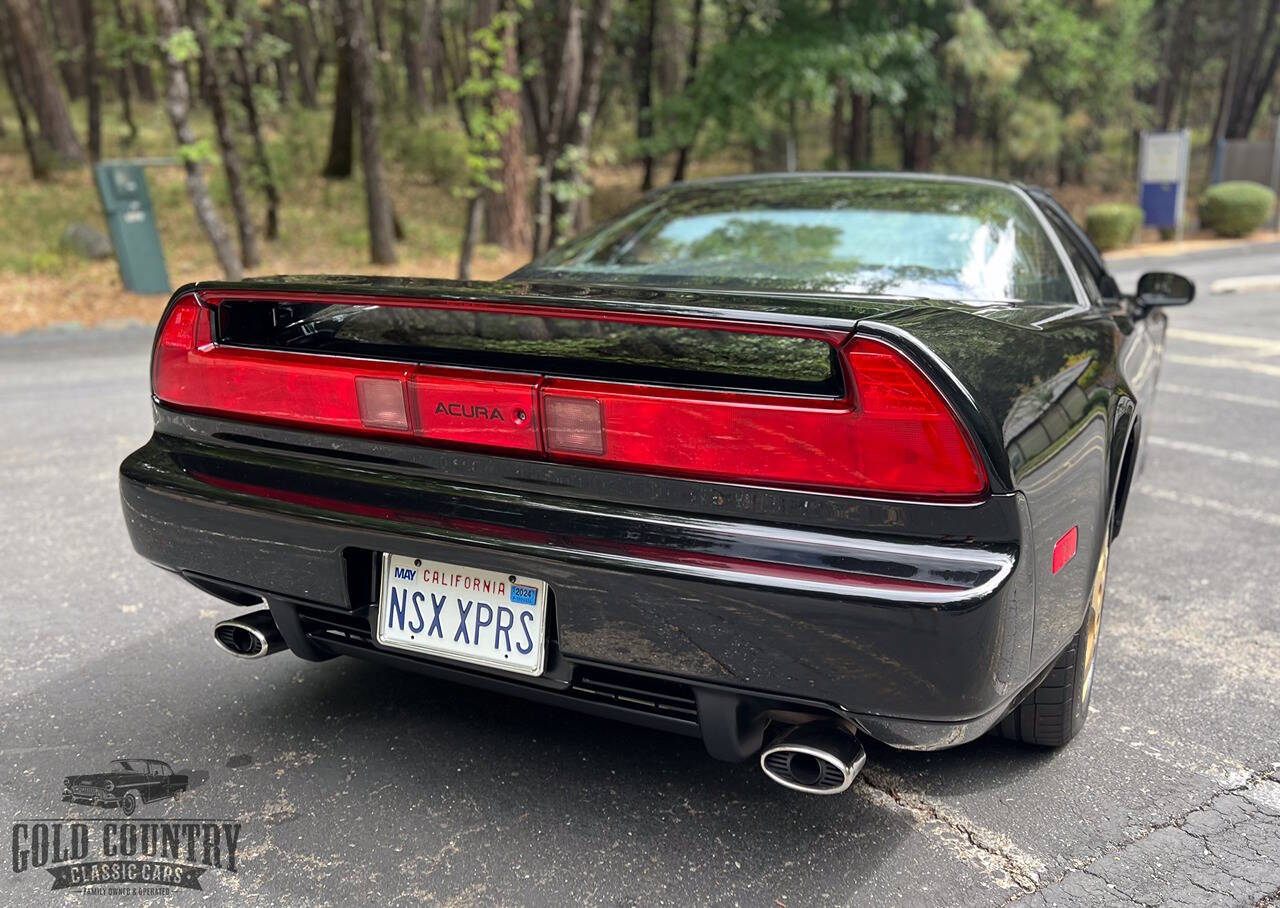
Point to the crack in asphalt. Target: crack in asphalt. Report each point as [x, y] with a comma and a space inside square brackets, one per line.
[1228, 805]
[988, 850]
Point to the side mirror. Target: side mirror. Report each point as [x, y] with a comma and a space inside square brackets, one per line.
[1163, 288]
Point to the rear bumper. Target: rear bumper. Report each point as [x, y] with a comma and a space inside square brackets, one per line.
[659, 617]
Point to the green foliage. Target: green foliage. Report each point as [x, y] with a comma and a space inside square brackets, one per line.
[793, 52]
[182, 46]
[1236, 208]
[433, 148]
[201, 151]
[485, 120]
[1086, 60]
[1033, 134]
[1112, 225]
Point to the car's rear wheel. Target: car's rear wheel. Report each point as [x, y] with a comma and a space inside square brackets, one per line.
[1056, 710]
[129, 803]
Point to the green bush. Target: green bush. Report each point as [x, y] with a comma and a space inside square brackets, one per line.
[434, 149]
[1236, 208]
[1112, 225]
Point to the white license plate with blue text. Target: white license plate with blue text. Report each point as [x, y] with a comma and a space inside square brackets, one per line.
[456, 612]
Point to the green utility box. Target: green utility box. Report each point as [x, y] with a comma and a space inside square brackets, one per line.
[122, 187]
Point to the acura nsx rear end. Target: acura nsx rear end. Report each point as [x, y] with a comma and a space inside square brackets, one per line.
[773, 462]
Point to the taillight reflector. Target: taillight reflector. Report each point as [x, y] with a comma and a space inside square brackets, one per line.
[574, 424]
[381, 403]
[1065, 549]
[891, 434]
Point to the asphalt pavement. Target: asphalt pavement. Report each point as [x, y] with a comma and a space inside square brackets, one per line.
[355, 784]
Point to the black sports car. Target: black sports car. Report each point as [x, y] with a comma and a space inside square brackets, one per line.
[127, 785]
[775, 461]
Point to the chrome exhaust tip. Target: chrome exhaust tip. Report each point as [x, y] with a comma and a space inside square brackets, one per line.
[251, 637]
[816, 759]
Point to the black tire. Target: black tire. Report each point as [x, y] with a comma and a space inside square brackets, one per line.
[129, 804]
[1053, 713]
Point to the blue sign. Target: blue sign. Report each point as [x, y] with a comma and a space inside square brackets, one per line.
[1162, 178]
[1159, 203]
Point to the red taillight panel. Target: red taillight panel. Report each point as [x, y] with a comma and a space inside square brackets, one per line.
[317, 391]
[909, 439]
[477, 408]
[892, 434]
[720, 435]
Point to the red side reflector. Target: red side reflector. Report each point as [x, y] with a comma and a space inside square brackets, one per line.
[381, 402]
[1064, 549]
[574, 424]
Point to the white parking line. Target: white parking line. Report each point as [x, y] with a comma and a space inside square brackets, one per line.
[1226, 340]
[1227, 396]
[1225, 362]
[1257, 515]
[1191, 447]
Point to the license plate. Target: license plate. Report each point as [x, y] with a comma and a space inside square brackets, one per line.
[462, 613]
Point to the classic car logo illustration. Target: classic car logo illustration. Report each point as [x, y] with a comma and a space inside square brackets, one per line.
[126, 857]
[128, 784]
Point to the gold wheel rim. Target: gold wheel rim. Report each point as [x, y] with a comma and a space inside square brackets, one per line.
[1093, 620]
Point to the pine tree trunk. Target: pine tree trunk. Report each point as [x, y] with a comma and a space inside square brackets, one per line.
[304, 57]
[36, 157]
[123, 87]
[470, 237]
[581, 95]
[644, 92]
[266, 176]
[382, 248]
[838, 127]
[379, 9]
[433, 44]
[143, 76]
[281, 62]
[68, 40]
[231, 163]
[40, 81]
[92, 86]
[178, 107]
[858, 129]
[411, 41]
[695, 44]
[341, 151]
[507, 219]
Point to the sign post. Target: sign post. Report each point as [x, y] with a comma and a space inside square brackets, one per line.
[1162, 178]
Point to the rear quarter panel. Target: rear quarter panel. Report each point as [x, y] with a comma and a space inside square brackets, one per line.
[1052, 394]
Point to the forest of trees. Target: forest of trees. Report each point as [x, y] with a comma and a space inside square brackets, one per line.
[538, 91]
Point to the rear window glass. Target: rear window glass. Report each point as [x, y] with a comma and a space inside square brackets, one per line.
[895, 237]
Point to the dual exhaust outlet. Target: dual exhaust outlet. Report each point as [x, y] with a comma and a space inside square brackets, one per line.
[251, 637]
[817, 758]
